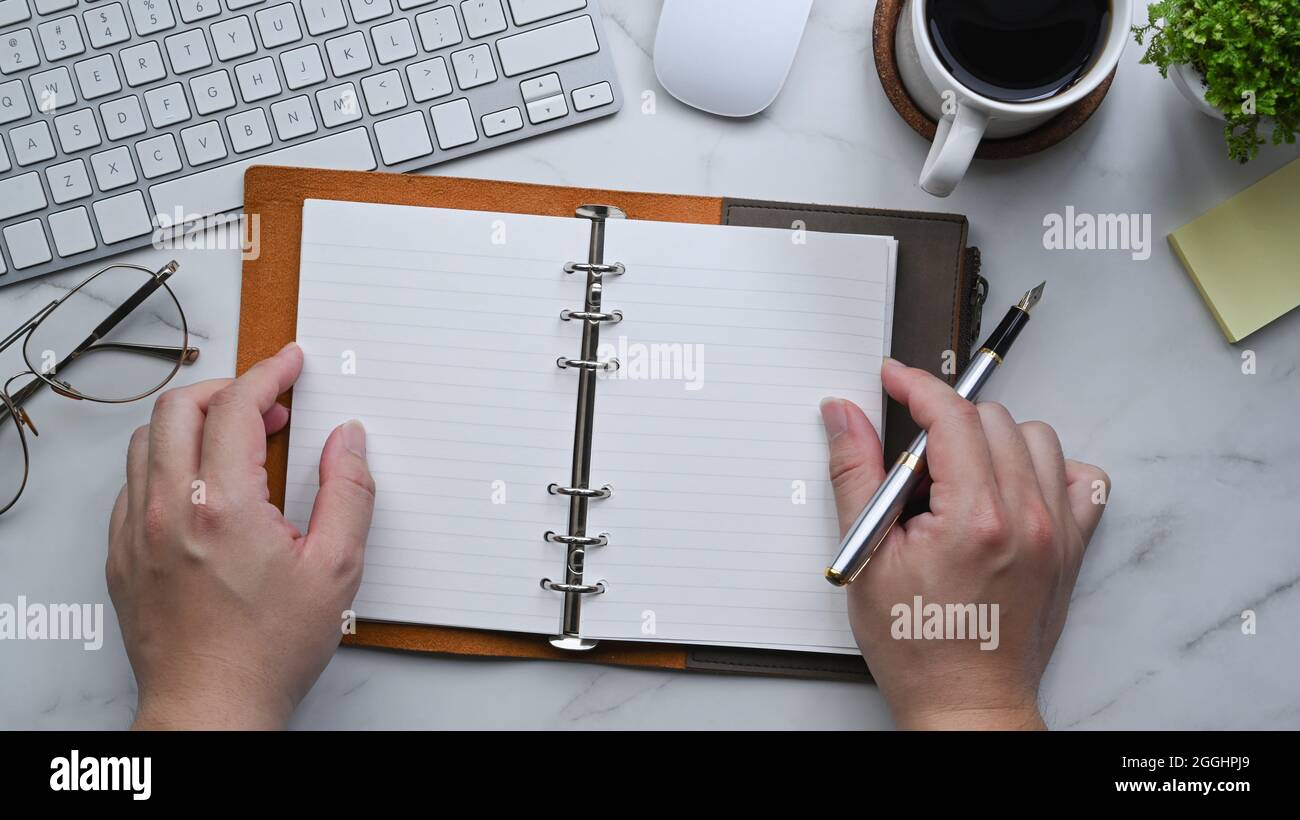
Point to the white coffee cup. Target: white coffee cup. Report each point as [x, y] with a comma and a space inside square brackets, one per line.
[965, 116]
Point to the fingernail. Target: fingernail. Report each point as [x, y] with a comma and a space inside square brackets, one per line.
[888, 362]
[354, 437]
[287, 348]
[834, 417]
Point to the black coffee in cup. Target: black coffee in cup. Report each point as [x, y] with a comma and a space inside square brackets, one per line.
[1017, 50]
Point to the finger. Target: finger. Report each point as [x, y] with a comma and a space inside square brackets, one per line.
[176, 431]
[856, 462]
[1088, 487]
[345, 503]
[117, 518]
[957, 452]
[234, 435]
[137, 470]
[1013, 468]
[1049, 465]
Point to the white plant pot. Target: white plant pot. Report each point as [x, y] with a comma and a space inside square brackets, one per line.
[1191, 85]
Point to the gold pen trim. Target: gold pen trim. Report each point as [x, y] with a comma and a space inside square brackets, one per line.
[909, 460]
[995, 356]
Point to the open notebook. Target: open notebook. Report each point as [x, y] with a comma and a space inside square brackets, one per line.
[440, 329]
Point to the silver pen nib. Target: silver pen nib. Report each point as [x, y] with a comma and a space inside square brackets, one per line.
[1032, 298]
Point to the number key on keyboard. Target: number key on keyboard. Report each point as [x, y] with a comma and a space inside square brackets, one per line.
[151, 16]
[17, 51]
[61, 38]
[16, 11]
[106, 25]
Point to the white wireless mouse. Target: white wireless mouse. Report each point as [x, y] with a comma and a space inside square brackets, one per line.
[728, 57]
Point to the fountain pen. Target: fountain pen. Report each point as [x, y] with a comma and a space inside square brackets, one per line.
[884, 508]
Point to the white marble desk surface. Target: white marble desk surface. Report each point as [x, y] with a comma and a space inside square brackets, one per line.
[1127, 364]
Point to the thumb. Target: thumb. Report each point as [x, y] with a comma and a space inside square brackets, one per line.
[345, 503]
[856, 464]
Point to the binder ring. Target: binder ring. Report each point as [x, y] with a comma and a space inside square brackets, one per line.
[613, 317]
[577, 540]
[581, 492]
[587, 364]
[577, 589]
[597, 269]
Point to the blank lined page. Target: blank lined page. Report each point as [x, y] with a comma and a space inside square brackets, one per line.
[722, 519]
[439, 329]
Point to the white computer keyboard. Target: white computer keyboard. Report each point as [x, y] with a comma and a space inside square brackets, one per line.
[117, 116]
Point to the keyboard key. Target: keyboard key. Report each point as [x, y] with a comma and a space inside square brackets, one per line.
[188, 51]
[20, 195]
[279, 25]
[383, 92]
[530, 11]
[483, 17]
[547, 85]
[106, 25]
[556, 43]
[4, 157]
[71, 232]
[474, 67]
[233, 38]
[323, 16]
[212, 93]
[53, 90]
[17, 51]
[222, 189]
[159, 156]
[402, 138]
[258, 80]
[248, 130]
[502, 122]
[302, 67]
[348, 54]
[235, 5]
[13, 102]
[453, 124]
[393, 41]
[203, 143]
[68, 181]
[61, 38]
[97, 77]
[167, 105]
[112, 168]
[363, 11]
[123, 217]
[27, 244]
[151, 16]
[405, 5]
[142, 64]
[193, 11]
[122, 118]
[338, 105]
[592, 96]
[14, 11]
[429, 79]
[293, 118]
[548, 109]
[51, 6]
[32, 143]
[77, 131]
[438, 28]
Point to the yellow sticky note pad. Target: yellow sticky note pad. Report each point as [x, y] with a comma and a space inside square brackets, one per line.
[1244, 255]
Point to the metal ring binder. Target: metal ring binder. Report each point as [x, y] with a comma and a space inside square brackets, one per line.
[575, 589]
[604, 492]
[598, 268]
[614, 317]
[578, 540]
[587, 364]
[580, 492]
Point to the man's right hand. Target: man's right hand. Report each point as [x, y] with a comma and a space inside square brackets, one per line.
[1009, 519]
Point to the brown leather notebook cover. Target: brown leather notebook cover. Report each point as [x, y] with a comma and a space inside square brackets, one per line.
[937, 299]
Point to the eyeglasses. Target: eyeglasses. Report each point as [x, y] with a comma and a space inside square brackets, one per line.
[128, 318]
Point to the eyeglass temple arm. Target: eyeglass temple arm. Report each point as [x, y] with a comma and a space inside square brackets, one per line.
[26, 326]
[133, 301]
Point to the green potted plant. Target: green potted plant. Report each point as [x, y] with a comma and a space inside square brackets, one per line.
[1237, 60]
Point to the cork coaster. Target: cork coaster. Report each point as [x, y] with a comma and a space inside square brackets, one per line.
[1041, 138]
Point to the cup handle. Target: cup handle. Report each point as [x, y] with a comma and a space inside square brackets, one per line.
[955, 141]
